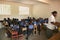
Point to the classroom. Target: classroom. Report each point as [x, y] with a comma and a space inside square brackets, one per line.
[29, 19]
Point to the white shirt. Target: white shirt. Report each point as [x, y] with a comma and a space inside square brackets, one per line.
[50, 25]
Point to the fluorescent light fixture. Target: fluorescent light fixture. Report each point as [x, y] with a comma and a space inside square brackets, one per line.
[45, 1]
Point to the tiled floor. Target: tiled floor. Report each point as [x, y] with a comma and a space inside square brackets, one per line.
[42, 36]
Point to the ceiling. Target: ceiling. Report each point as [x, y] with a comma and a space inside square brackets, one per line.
[31, 1]
[28, 1]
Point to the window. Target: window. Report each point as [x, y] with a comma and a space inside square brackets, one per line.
[5, 9]
[23, 10]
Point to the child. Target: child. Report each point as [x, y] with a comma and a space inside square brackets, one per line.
[35, 26]
[29, 30]
[38, 27]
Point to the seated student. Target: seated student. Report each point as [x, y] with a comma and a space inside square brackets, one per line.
[9, 21]
[46, 20]
[20, 30]
[26, 20]
[45, 24]
[17, 20]
[11, 25]
[4, 21]
[29, 19]
[30, 29]
[34, 22]
[16, 26]
[34, 18]
[35, 25]
[22, 23]
[38, 26]
[25, 28]
[41, 20]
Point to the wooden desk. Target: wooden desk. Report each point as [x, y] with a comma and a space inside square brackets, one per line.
[55, 37]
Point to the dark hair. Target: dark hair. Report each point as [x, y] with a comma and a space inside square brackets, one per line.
[54, 12]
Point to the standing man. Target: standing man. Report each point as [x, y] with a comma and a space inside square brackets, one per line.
[51, 24]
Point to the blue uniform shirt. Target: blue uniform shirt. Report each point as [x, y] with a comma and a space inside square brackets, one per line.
[34, 22]
[31, 27]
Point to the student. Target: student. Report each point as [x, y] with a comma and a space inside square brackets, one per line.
[26, 20]
[30, 29]
[16, 26]
[5, 21]
[34, 22]
[22, 23]
[38, 27]
[9, 21]
[20, 30]
[46, 20]
[51, 24]
[45, 23]
[35, 26]
[25, 28]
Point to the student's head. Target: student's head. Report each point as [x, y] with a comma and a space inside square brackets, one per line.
[54, 13]
[28, 17]
[9, 19]
[33, 18]
[4, 19]
[30, 22]
[15, 23]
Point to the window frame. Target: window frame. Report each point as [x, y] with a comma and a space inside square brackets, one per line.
[5, 9]
[25, 8]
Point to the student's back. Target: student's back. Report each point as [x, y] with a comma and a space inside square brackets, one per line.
[31, 27]
[34, 22]
[41, 20]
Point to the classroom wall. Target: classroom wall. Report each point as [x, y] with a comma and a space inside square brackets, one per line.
[44, 10]
[41, 10]
[36, 10]
[15, 10]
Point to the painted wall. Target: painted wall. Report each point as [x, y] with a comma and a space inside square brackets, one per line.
[41, 10]
[37, 10]
[15, 10]
[44, 10]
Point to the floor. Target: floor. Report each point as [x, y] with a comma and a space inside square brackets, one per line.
[42, 36]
